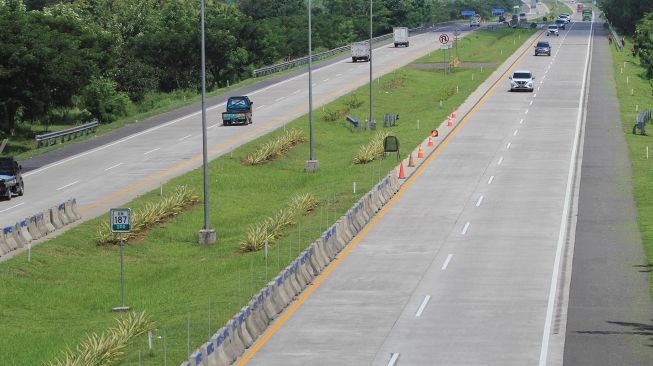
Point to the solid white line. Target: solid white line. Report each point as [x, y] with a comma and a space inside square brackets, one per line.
[480, 200]
[393, 359]
[67, 185]
[521, 121]
[465, 228]
[421, 307]
[113, 166]
[151, 151]
[259, 107]
[508, 146]
[185, 137]
[515, 133]
[490, 180]
[446, 262]
[500, 161]
[12, 207]
[546, 334]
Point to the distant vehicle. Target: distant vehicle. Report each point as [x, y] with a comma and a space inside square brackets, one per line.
[522, 18]
[552, 30]
[11, 178]
[400, 36]
[561, 23]
[543, 48]
[579, 8]
[475, 21]
[239, 111]
[360, 51]
[514, 21]
[587, 15]
[522, 80]
[566, 18]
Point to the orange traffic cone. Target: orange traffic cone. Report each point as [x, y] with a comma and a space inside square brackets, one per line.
[402, 174]
[449, 122]
[420, 153]
[430, 144]
[411, 163]
[434, 133]
[454, 112]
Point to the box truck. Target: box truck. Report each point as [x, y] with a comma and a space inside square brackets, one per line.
[360, 51]
[400, 36]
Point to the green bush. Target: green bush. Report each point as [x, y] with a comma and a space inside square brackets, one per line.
[105, 103]
[372, 150]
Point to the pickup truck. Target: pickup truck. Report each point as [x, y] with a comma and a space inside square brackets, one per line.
[11, 179]
[239, 111]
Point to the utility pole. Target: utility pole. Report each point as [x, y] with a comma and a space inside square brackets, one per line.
[371, 80]
[312, 165]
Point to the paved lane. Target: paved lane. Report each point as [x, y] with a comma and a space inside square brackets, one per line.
[479, 234]
[113, 173]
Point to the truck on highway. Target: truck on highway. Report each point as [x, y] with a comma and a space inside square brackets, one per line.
[400, 35]
[360, 51]
[587, 15]
[475, 21]
[11, 179]
[522, 18]
[239, 111]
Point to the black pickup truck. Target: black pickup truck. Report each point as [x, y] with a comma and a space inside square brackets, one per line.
[11, 179]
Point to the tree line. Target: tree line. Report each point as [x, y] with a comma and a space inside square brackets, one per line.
[101, 56]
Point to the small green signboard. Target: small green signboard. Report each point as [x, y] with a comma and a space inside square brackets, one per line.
[121, 220]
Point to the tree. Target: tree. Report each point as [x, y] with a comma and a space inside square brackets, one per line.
[644, 43]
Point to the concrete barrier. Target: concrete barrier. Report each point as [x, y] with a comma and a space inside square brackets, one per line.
[280, 289]
[299, 277]
[305, 268]
[61, 211]
[9, 238]
[260, 306]
[244, 335]
[208, 354]
[24, 231]
[315, 267]
[18, 236]
[230, 349]
[33, 229]
[322, 258]
[253, 329]
[258, 315]
[68, 210]
[196, 359]
[185, 363]
[4, 246]
[290, 287]
[219, 356]
[234, 338]
[269, 306]
[42, 223]
[55, 219]
[75, 209]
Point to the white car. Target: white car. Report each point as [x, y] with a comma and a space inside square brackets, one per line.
[552, 30]
[566, 18]
[522, 80]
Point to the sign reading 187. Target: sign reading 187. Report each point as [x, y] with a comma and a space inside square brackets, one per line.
[121, 220]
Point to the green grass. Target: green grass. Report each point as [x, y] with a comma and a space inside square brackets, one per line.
[70, 286]
[633, 80]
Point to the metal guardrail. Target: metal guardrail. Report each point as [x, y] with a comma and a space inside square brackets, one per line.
[616, 38]
[46, 138]
[322, 55]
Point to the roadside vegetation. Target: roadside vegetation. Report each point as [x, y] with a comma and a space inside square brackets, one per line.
[634, 80]
[71, 284]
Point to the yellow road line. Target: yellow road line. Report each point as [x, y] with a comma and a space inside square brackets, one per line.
[309, 290]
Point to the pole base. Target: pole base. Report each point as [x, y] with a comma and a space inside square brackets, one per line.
[312, 166]
[207, 237]
[120, 309]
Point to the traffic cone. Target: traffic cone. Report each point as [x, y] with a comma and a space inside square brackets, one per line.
[411, 163]
[434, 133]
[454, 112]
[420, 153]
[430, 144]
[449, 122]
[402, 174]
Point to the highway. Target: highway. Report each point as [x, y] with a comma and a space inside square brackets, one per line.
[466, 266]
[111, 174]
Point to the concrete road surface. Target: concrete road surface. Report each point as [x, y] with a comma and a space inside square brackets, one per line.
[464, 267]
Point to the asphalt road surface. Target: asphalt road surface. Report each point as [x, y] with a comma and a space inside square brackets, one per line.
[133, 161]
[464, 267]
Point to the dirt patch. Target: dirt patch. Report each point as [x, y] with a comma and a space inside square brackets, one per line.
[463, 65]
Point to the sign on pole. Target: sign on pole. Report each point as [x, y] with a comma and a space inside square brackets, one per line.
[467, 13]
[121, 220]
[444, 38]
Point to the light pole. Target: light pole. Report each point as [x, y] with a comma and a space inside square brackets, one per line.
[206, 235]
[371, 81]
[312, 164]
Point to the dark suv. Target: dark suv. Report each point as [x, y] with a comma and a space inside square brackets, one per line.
[543, 48]
[11, 179]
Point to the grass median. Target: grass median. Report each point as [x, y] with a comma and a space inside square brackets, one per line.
[71, 284]
[634, 94]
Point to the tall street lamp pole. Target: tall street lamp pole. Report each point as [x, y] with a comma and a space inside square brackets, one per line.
[371, 81]
[312, 164]
[206, 235]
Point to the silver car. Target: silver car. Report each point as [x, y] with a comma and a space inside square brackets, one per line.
[522, 80]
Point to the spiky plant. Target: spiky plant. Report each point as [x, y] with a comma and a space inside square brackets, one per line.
[372, 150]
[275, 148]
